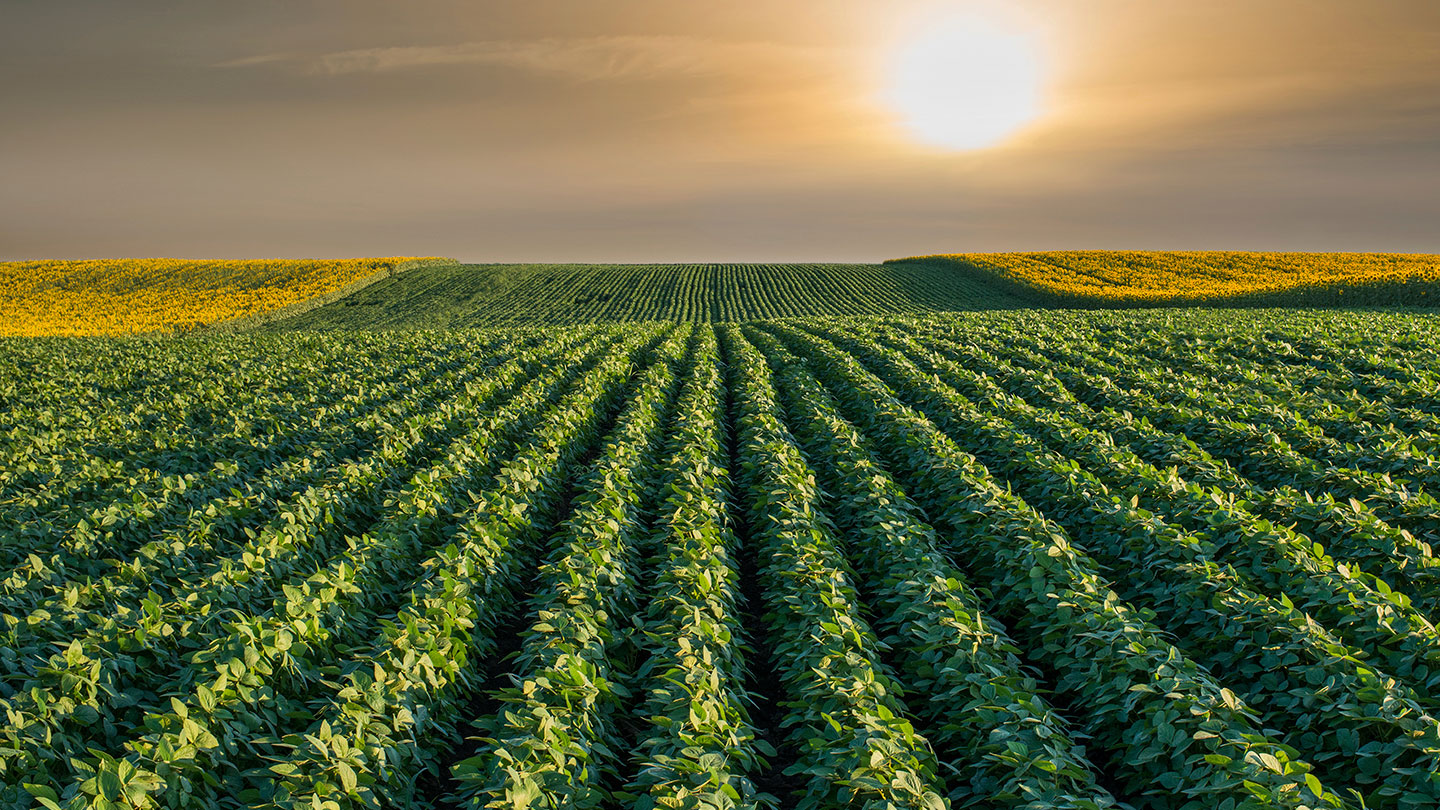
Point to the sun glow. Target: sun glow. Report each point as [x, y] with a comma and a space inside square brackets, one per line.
[964, 83]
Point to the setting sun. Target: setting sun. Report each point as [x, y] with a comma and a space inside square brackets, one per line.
[964, 83]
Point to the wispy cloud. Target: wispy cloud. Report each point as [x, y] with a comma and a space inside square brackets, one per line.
[605, 58]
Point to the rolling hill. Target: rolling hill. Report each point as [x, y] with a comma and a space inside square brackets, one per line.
[474, 295]
[167, 296]
[1106, 279]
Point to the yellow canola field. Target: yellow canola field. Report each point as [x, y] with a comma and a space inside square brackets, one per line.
[129, 296]
[1172, 277]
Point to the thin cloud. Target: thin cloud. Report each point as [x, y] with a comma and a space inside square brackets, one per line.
[1258, 111]
[608, 58]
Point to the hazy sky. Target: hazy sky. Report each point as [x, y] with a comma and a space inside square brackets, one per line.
[745, 130]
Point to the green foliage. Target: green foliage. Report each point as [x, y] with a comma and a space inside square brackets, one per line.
[1221, 616]
[1161, 560]
[699, 744]
[985, 709]
[848, 731]
[555, 734]
[502, 295]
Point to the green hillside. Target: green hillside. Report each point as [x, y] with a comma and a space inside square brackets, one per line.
[502, 295]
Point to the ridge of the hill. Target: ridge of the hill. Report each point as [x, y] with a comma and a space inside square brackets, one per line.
[472, 295]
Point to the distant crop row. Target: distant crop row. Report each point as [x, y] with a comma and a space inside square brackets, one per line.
[1059, 560]
[1140, 278]
[129, 296]
[519, 295]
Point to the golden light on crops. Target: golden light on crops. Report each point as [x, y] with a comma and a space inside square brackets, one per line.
[133, 296]
[964, 82]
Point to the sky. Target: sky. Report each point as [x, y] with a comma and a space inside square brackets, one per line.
[748, 130]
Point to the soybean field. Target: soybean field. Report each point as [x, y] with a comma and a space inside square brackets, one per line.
[488, 295]
[1165, 559]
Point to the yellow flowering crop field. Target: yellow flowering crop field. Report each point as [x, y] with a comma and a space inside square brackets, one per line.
[1145, 277]
[132, 296]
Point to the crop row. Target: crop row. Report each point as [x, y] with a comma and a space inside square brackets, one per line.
[903, 562]
[524, 295]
